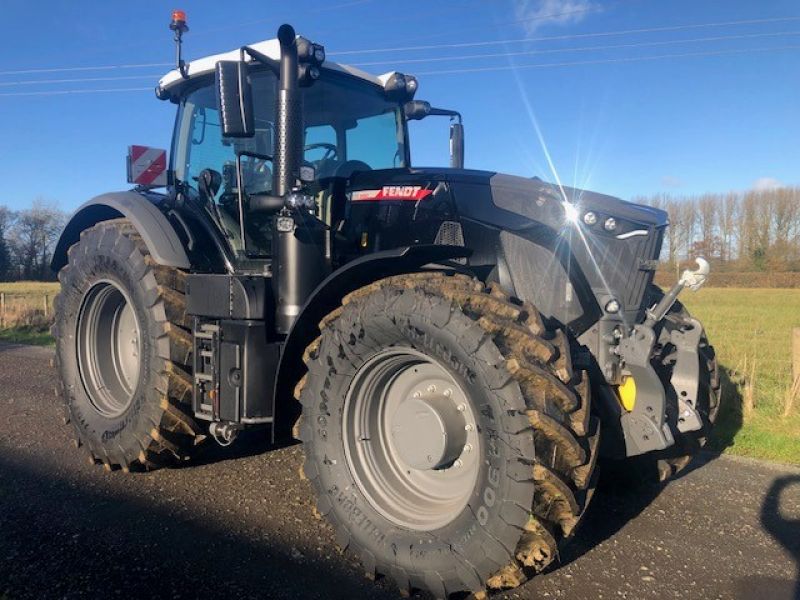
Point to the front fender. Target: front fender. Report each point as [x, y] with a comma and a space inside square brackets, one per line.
[328, 295]
[157, 233]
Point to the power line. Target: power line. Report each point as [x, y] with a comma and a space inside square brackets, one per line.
[64, 92]
[567, 37]
[447, 58]
[78, 80]
[606, 61]
[578, 49]
[434, 46]
[96, 68]
[474, 70]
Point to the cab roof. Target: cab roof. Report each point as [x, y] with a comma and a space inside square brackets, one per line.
[173, 82]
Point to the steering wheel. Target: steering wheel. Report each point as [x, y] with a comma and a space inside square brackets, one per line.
[331, 151]
[347, 168]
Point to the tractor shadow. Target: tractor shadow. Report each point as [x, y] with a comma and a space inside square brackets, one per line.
[67, 536]
[731, 412]
[623, 492]
[780, 517]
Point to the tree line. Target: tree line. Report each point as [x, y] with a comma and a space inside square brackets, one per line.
[758, 230]
[27, 239]
[736, 231]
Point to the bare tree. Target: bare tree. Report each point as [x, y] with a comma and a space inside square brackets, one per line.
[675, 217]
[32, 236]
[728, 224]
[5, 253]
[707, 212]
[751, 230]
[688, 210]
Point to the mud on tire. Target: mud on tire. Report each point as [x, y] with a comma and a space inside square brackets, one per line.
[538, 439]
[152, 427]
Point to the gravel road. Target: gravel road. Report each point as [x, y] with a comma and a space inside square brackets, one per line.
[238, 523]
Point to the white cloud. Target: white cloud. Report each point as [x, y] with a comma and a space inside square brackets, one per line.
[766, 183]
[532, 14]
[671, 181]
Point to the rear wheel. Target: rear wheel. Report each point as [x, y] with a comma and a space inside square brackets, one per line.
[123, 351]
[447, 437]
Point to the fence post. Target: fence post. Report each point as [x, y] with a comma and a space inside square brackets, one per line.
[2, 309]
[795, 354]
[45, 305]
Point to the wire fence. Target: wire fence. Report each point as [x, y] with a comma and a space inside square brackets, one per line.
[30, 311]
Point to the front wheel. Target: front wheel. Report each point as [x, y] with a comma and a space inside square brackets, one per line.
[447, 437]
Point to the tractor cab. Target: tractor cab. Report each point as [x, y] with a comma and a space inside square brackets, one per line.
[349, 126]
[346, 122]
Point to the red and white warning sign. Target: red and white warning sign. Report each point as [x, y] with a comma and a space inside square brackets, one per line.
[147, 166]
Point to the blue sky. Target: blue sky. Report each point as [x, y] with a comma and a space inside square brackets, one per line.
[720, 112]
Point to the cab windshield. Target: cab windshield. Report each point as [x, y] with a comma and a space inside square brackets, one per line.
[349, 126]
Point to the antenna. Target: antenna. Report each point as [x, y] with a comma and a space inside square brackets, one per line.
[179, 26]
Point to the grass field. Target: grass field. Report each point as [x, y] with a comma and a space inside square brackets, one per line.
[26, 312]
[750, 329]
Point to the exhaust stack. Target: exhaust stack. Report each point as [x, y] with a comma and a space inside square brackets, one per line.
[289, 114]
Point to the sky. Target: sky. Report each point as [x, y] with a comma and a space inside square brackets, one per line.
[627, 97]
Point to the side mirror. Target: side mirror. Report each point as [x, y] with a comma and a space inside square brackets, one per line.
[457, 146]
[234, 99]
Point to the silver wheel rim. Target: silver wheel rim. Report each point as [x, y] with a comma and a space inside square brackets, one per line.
[108, 344]
[410, 439]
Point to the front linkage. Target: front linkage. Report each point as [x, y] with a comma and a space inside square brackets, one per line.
[647, 425]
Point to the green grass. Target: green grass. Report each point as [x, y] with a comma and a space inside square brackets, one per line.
[23, 321]
[751, 331]
[23, 335]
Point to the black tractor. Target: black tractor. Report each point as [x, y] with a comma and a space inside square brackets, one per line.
[454, 348]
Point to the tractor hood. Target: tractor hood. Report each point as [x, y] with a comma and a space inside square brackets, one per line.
[520, 195]
[597, 245]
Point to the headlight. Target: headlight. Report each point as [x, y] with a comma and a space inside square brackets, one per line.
[590, 218]
[610, 224]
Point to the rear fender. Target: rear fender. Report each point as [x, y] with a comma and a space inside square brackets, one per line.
[157, 233]
[328, 295]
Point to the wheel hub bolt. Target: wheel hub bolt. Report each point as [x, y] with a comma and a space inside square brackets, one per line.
[417, 394]
[461, 408]
[469, 427]
[431, 389]
[458, 464]
[468, 448]
[448, 392]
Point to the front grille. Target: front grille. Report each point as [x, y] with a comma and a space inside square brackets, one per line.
[646, 257]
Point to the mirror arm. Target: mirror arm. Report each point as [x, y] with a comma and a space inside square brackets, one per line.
[274, 65]
[443, 112]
